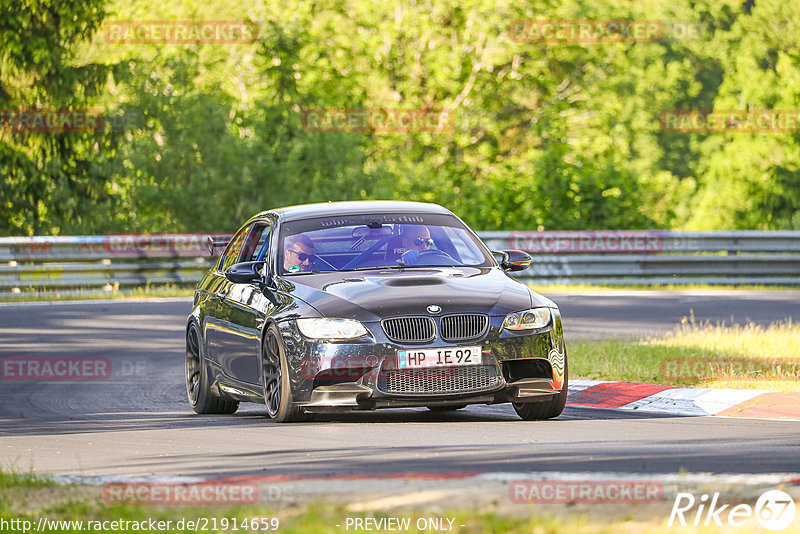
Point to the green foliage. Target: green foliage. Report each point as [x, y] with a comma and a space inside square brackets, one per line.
[50, 180]
[552, 135]
[753, 180]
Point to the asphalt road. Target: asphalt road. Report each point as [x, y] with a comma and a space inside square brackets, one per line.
[634, 313]
[137, 421]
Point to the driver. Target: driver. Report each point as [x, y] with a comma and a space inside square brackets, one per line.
[416, 240]
[298, 253]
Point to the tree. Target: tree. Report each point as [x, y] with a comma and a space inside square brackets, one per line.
[50, 183]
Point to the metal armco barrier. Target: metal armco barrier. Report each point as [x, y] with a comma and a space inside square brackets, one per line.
[627, 257]
[103, 263]
[565, 257]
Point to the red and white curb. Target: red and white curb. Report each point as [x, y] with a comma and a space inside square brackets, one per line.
[685, 401]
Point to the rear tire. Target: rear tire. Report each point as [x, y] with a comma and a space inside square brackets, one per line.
[535, 411]
[277, 386]
[198, 390]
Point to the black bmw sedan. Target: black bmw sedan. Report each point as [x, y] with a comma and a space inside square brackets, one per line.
[365, 305]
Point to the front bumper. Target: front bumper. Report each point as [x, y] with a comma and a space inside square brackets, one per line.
[363, 375]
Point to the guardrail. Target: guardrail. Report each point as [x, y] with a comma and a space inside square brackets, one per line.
[566, 257]
[628, 257]
[69, 264]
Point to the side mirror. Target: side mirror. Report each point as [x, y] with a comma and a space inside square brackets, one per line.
[245, 272]
[515, 260]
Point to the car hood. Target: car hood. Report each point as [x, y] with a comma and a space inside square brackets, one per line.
[374, 295]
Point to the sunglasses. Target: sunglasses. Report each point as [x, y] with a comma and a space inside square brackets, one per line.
[423, 241]
[302, 257]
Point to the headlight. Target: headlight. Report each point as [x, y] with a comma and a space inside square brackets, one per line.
[527, 319]
[334, 329]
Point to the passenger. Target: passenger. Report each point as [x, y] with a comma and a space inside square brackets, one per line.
[298, 254]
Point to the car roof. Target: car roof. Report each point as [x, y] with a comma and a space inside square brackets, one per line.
[353, 208]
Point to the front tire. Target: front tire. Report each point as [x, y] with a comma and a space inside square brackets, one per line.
[198, 390]
[277, 386]
[535, 411]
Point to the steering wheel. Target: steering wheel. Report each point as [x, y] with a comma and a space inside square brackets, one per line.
[433, 252]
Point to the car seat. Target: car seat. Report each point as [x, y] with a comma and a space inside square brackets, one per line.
[394, 249]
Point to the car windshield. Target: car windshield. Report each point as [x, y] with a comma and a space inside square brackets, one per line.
[359, 242]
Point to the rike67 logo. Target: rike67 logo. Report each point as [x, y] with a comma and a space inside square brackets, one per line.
[774, 510]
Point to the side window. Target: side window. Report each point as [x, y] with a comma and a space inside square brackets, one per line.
[256, 244]
[231, 254]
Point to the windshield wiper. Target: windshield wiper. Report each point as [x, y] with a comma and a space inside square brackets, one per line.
[312, 271]
[399, 266]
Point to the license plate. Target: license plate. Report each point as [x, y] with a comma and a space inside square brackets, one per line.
[421, 358]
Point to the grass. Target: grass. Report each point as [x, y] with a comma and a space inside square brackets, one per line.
[589, 288]
[163, 291]
[699, 355]
[23, 480]
[28, 498]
